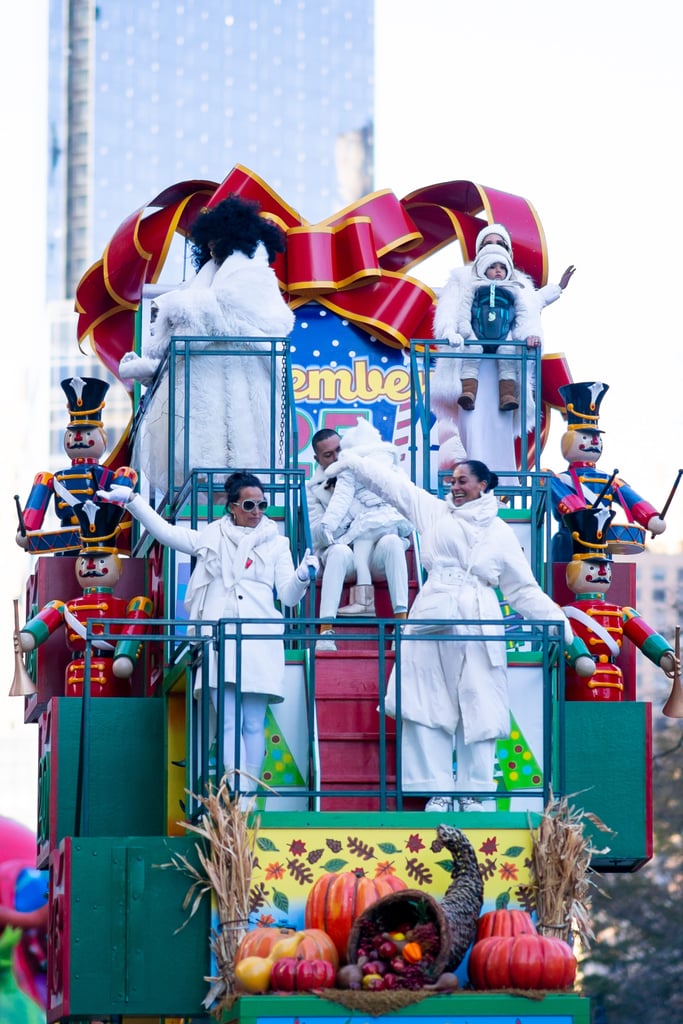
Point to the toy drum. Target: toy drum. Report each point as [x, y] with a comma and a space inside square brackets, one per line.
[625, 539]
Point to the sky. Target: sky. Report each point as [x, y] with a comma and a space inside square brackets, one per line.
[575, 107]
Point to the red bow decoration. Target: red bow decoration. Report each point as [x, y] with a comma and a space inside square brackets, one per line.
[354, 263]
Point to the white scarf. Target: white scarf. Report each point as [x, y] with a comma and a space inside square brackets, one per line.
[226, 551]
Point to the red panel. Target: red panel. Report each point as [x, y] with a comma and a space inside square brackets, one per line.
[58, 956]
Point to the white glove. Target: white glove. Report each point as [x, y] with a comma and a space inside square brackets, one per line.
[669, 664]
[456, 340]
[307, 563]
[327, 535]
[584, 666]
[118, 495]
[24, 642]
[122, 667]
[141, 368]
[656, 525]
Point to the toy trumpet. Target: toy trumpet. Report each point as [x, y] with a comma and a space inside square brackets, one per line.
[674, 705]
[22, 684]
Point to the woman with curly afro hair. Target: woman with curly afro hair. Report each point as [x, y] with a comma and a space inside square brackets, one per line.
[234, 293]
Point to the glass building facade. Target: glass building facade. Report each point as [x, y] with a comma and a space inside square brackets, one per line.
[147, 93]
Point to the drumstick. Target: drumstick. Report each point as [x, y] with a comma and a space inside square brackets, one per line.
[605, 489]
[671, 494]
[20, 515]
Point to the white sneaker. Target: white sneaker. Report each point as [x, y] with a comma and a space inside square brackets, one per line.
[441, 804]
[468, 803]
[326, 642]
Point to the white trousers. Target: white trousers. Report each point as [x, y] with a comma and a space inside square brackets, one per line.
[387, 562]
[252, 737]
[427, 760]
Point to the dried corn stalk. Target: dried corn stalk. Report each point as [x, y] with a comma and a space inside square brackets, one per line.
[226, 859]
[561, 871]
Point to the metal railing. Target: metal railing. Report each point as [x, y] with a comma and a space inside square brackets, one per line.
[201, 655]
[175, 373]
[424, 357]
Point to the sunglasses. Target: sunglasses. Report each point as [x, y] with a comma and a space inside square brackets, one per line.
[248, 505]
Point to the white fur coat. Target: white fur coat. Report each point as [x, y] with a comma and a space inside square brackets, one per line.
[229, 422]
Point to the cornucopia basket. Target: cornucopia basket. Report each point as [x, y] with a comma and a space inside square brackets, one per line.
[413, 914]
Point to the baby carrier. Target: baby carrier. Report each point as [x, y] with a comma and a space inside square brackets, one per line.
[493, 314]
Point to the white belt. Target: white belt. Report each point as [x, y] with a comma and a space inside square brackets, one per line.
[451, 574]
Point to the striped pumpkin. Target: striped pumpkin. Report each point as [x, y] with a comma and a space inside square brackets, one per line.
[336, 900]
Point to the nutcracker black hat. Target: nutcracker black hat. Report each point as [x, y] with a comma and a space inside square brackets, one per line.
[588, 529]
[582, 403]
[85, 400]
[99, 526]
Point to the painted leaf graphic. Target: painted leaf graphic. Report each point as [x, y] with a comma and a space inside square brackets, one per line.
[388, 848]
[336, 864]
[280, 901]
[265, 844]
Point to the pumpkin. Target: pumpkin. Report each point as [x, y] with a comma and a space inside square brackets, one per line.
[521, 961]
[310, 944]
[504, 922]
[260, 941]
[412, 952]
[336, 900]
[292, 974]
[317, 945]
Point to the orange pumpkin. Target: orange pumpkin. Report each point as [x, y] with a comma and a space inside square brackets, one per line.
[504, 922]
[315, 944]
[521, 961]
[412, 952]
[260, 941]
[336, 900]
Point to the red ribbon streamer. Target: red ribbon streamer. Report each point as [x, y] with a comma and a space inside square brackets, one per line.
[353, 262]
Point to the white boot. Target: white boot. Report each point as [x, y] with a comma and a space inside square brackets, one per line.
[326, 641]
[361, 601]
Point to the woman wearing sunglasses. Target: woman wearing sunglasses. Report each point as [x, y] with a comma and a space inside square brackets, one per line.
[240, 560]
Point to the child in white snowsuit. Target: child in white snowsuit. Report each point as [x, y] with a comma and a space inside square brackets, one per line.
[494, 309]
[368, 516]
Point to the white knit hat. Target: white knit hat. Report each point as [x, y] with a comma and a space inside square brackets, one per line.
[493, 229]
[489, 255]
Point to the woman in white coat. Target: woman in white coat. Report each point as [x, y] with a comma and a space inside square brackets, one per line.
[457, 692]
[240, 559]
[234, 294]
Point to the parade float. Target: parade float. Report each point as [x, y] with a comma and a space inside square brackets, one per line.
[329, 892]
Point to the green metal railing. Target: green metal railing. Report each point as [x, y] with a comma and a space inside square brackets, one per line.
[197, 644]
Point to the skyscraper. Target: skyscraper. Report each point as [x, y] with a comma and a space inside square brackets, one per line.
[145, 93]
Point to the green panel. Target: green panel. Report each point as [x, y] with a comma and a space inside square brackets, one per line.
[127, 954]
[464, 1007]
[125, 767]
[608, 765]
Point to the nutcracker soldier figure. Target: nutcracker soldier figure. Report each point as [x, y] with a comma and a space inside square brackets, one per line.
[581, 485]
[85, 442]
[601, 625]
[98, 570]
